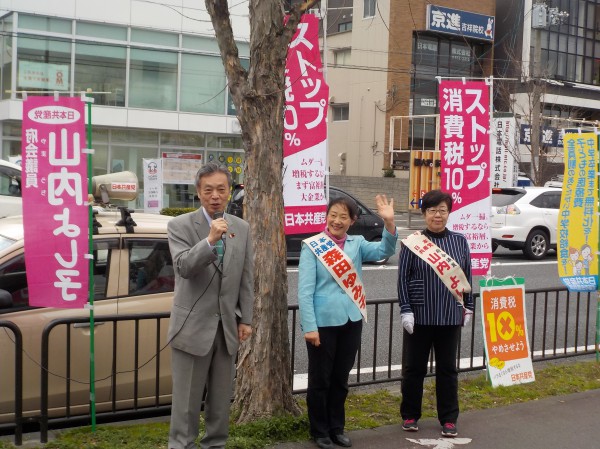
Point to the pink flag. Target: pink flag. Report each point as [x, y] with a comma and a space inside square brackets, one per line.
[305, 132]
[55, 212]
[465, 153]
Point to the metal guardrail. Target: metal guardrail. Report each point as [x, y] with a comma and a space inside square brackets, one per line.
[560, 325]
[17, 425]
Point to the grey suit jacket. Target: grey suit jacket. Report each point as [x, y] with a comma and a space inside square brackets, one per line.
[203, 293]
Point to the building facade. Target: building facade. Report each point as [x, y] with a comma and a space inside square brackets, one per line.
[384, 63]
[567, 73]
[154, 71]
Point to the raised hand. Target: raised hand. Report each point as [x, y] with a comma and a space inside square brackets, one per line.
[385, 209]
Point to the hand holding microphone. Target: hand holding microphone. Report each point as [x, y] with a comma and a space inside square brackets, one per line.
[218, 228]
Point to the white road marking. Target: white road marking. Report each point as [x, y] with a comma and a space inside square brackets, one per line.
[441, 443]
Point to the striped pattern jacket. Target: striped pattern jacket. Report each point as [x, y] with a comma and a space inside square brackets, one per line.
[422, 292]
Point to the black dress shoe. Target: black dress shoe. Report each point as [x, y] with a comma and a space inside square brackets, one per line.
[324, 443]
[341, 440]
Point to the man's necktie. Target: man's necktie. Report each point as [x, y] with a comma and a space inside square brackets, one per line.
[220, 252]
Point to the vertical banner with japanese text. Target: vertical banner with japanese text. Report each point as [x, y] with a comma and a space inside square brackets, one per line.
[305, 132]
[153, 185]
[578, 218]
[505, 335]
[55, 212]
[465, 164]
[505, 171]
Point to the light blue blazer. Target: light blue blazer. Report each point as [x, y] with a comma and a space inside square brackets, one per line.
[321, 300]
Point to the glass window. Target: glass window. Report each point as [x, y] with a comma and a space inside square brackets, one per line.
[369, 8]
[131, 158]
[342, 57]
[150, 267]
[43, 64]
[203, 84]
[426, 52]
[154, 37]
[213, 141]
[341, 112]
[6, 55]
[14, 280]
[153, 80]
[134, 136]
[12, 129]
[99, 158]
[41, 23]
[101, 68]
[346, 26]
[200, 43]
[102, 31]
[182, 139]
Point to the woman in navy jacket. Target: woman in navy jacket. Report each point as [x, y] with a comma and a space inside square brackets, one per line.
[330, 319]
[432, 317]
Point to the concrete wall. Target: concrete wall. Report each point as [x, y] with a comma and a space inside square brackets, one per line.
[365, 188]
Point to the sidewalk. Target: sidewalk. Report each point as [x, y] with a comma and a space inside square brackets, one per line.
[558, 422]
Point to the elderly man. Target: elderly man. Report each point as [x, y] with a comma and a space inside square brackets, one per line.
[212, 310]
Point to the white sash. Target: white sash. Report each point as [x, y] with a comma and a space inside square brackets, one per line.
[445, 267]
[340, 267]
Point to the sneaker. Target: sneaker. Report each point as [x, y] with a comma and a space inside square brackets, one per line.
[449, 430]
[410, 425]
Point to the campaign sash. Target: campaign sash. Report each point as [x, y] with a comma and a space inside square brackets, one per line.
[445, 267]
[340, 267]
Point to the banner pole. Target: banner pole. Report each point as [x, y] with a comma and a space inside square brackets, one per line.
[89, 102]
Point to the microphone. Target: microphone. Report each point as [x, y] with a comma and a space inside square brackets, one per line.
[216, 216]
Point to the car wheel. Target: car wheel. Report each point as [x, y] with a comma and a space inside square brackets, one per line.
[378, 262]
[536, 245]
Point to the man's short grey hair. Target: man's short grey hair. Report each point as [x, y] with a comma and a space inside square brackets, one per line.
[209, 169]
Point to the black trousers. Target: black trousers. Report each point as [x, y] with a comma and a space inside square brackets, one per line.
[415, 355]
[329, 366]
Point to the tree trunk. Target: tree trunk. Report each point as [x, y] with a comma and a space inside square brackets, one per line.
[264, 376]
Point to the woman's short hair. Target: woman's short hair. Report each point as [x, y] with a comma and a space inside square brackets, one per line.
[209, 169]
[348, 203]
[435, 197]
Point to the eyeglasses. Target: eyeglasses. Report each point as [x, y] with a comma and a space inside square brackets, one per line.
[432, 211]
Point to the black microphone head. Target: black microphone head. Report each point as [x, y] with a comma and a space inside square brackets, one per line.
[217, 215]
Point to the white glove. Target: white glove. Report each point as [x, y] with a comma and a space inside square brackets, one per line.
[467, 317]
[408, 321]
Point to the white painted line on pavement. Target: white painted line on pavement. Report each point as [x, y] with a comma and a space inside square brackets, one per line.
[441, 443]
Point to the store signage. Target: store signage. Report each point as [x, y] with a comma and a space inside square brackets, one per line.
[462, 23]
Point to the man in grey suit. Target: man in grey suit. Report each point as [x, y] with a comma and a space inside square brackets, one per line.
[212, 310]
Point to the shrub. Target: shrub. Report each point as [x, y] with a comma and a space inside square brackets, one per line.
[174, 211]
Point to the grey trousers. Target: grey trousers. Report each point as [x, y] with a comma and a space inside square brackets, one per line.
[190, 375]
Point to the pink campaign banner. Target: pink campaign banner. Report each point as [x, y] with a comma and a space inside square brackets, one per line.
[55, 215]
[305, 132]
[465, 154]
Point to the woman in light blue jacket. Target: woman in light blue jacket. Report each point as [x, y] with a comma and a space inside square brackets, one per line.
[331, 300]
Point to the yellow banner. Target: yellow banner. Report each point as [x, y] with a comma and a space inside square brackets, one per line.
[578, 221]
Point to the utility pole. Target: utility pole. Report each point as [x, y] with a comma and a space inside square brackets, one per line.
[541, 18]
